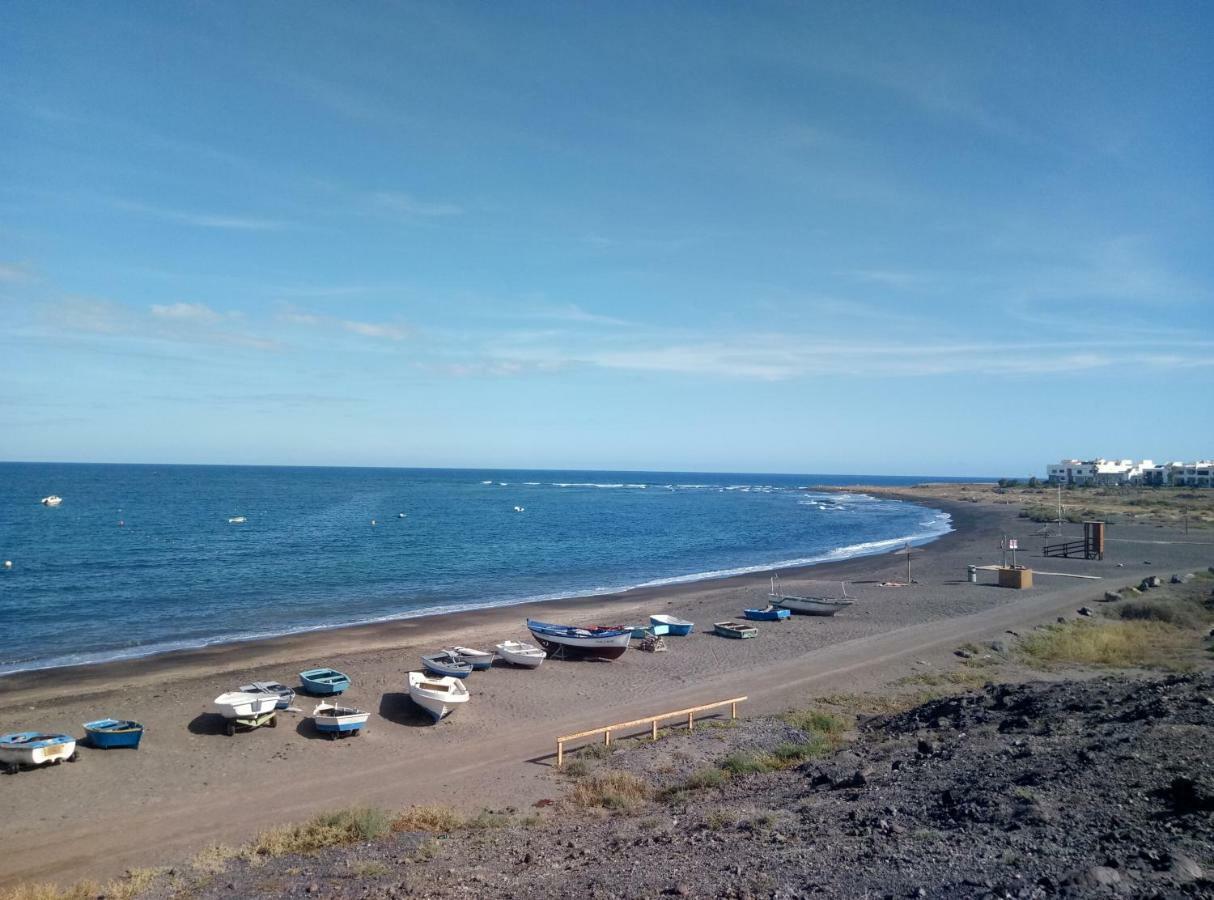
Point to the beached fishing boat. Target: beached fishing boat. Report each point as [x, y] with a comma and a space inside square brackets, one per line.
[52, 500]
[571, 642]
[239, 705]
[35, 748]
[109, 734]
[480, 659]
[338, 721]
[324, 681]
[810, 606]
[734, 630]
[437, 696]
[285, 695]
[446, 663]
[520, 653]
[767, 614]
[677, 627]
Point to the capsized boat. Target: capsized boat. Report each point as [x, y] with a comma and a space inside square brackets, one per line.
[810, 606]
[676, 626]
[734, 630]
[285, 695]
[479, 659]
[520, 653]
[324, 681]
[52, 500]
[35, 748]
[240, 705]
[767, 614]
[338, 721]
[109, 734]
[446, 663]
[572, 642]
[438, 696]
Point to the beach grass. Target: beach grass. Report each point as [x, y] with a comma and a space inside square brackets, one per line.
[611, 790]
[433, 819]
[345, 826]
[132, 884]
[1123, 643]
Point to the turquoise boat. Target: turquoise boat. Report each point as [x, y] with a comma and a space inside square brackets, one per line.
[769, 614]
[677, 627]
[324, 681]
[110, 734]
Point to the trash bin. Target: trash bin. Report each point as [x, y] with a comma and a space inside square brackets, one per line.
[973, 574]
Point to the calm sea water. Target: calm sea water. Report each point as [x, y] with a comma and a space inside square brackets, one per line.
[142, 559]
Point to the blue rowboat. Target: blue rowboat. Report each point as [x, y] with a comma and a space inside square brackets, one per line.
[324, 681]
[677, 627]
[338, 721]
[109, 734]
[770, 614]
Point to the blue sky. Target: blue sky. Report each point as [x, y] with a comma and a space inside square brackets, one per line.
[881, 238]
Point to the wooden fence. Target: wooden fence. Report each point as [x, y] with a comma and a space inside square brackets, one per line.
[651, 721]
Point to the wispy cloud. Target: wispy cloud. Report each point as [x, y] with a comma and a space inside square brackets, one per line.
[375, 329]
[15, 272]
[178, 322]
[186, 312]
[203, 219]
[391, 331]
[408, 205]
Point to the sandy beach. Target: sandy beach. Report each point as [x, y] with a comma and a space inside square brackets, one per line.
[190, 785]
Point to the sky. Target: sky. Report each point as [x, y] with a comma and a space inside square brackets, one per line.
[891, 238]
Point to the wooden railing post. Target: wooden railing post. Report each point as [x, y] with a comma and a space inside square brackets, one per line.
[560, 753]
[691, 721]
[733, 710]
[655, 728]
[651, 721]
[607, 738]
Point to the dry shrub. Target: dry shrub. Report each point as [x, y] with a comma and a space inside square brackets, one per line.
[213, 859]
[433, 819]
[611, 790]
[130, 885]
[1173, 612]
[345, 826]
[1124, 643]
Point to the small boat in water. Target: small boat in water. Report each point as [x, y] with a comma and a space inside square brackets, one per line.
[52, 500]
[734, 630]
[446, 663]
[438, 696]
[767, 614]
[109, 734]
[810, 606]
[35, 748]
[520, 653]
[479, 659]
[572, 642]
[285, 695]
[677, 627]
[324, 681]
[237, 520]
[338, 721]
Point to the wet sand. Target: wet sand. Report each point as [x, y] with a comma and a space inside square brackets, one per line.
[190, 785]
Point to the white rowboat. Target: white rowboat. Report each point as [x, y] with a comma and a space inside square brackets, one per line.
[438, 696]
[520, 653]
[240, 705]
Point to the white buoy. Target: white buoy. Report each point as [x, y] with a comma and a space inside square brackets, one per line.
[372, 521]
[400, 515]
[519, 509]
[8, 564]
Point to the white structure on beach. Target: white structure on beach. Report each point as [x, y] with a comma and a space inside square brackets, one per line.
[1131, 472]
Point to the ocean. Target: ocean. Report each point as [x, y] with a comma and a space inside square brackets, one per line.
[142, 559]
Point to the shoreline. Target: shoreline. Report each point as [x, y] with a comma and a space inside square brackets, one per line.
[386, 633]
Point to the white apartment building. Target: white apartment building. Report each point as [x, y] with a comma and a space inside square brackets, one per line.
[1131, 472]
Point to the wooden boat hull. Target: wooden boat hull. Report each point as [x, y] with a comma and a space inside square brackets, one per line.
[675, 627]
[734, 630]
[517, 653]
[111, 734]
[32, 748]
[767, 615]
[439, 697]
[810, 606]
[567, 642]
[323, 682]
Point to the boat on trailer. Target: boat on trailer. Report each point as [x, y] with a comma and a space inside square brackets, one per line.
[809, 606]
[35, 748]
[735, 630]
[520, 653]
[479, 659]
[285, 695]
[109, 734]
[767, 614]
[437, 696]
[572, 642]
[675, 626]
[338, 721]
[324, 681]
[446, 663]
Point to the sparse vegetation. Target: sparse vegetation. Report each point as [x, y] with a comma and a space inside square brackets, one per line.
[134, 883]
[611, 790]
[344, 826]
[434, 819]
[1123, 643]
[745, 763]
[577, 768]
[369, 868]
[427, 850]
